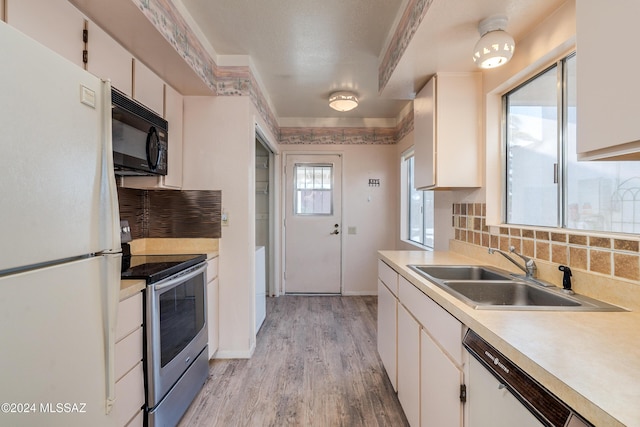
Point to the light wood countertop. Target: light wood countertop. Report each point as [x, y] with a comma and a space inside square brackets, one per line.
[590, 360]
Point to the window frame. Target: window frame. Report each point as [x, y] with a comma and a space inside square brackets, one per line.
[562, 145]
[569, 169]
[405, 208]
[296, 189]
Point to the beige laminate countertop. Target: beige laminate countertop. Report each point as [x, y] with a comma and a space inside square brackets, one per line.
[129, 288]
[590, 360]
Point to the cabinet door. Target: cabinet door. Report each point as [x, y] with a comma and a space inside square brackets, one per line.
[387, 343]
[388, 276]
[54, 23]
[447, 132]
[607, 111]
[440, 383]
[107, 59]
[446, 329]
[173, 115]
[424, 136]
[490, 404]
[212, 315]
[409, 365]
[148, 88]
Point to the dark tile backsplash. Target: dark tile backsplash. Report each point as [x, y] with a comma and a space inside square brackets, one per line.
[171, 213]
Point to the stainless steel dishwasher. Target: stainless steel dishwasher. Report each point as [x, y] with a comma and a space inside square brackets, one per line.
[500, 394]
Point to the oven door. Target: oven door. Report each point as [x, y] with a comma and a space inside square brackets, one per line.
[176, 328]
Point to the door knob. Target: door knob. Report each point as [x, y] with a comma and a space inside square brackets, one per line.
[335, 232]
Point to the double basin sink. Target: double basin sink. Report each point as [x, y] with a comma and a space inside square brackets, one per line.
[484, 287]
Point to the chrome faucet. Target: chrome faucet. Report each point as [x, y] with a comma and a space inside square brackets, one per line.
[529, 266]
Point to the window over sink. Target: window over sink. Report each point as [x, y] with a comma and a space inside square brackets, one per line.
[545, 184]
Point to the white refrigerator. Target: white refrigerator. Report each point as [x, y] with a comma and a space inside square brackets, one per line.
[59, 240]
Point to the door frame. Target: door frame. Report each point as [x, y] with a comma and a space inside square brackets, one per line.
[283, 200]
[274, 277]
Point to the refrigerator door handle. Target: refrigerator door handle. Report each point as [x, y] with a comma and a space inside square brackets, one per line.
[110, 293]
[110, 209]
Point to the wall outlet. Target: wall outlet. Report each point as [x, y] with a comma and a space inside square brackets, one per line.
[224, 218]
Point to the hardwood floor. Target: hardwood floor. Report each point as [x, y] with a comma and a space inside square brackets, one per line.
[315, 364]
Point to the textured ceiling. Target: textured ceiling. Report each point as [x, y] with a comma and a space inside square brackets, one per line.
[303, 50]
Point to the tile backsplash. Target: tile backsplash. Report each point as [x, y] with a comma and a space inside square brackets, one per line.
[613, 255]
[171, 213]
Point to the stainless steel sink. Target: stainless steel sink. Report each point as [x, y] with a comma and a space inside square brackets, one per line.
[489, 288]
[461, 272]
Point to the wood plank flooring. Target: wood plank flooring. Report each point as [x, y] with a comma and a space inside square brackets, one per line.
[315, 364]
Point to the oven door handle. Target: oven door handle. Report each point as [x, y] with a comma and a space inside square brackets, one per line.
[173, 282]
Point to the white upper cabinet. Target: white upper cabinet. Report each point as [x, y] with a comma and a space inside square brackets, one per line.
[607, 86]
[107, 59]
[173, 114]
[447, 132]
[54, 23]
[148, 88]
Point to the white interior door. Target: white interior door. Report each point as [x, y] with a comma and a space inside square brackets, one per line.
[313, 221]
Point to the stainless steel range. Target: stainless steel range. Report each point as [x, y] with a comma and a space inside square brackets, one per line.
[176, 357]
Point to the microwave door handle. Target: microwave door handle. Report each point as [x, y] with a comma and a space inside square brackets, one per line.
[172, 283]
[153, 148]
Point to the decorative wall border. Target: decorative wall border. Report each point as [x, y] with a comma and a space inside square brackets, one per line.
[223, 81]
[347, 135]
[407, 27]
[170, 23]
[240, 81]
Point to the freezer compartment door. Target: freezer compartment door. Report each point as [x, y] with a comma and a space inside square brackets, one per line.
[55, 201]
[58, 324]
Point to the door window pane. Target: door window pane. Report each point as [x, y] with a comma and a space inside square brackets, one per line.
[313, 189]
[532, 151]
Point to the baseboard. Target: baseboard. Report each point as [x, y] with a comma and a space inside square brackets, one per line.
[359, 293]
[235, 354]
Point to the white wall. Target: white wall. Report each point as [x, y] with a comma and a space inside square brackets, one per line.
[219, 150]
[372, 210]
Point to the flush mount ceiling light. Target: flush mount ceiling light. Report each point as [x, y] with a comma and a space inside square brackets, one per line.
[495, 47]
[343, 101]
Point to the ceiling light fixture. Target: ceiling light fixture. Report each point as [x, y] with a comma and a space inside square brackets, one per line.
[343, 101]
[495, 47]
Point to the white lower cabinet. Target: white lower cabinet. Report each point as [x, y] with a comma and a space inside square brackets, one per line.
[409, 365]
[440, 381]
[387, 327]
[213, 290]
[420, 345]
[128, 363]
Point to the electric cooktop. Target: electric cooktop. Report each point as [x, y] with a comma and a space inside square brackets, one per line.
[154, 268]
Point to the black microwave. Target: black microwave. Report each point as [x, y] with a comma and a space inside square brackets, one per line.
[139, 138]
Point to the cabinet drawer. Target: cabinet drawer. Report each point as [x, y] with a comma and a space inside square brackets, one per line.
[128, 352]
[388, 276]
[212, 269]
[129, 316]
[441, 325]
[129, 395]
